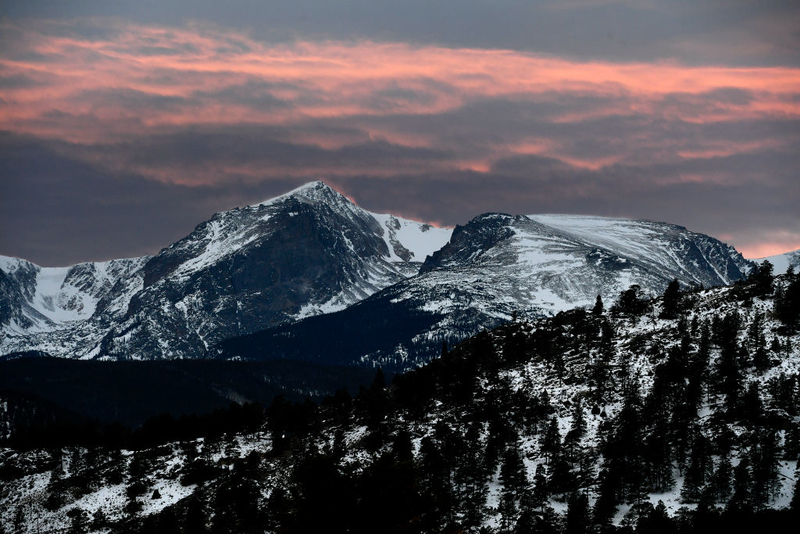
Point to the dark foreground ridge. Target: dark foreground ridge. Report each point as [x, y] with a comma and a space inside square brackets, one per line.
[674, 415]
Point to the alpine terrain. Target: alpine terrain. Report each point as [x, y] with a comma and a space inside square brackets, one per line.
[494, 268]
[307, 252]
[674, 414]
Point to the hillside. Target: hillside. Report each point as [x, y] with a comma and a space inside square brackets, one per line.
[493, 268]
[666, 415]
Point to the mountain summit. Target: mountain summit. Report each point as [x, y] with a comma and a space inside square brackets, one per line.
[267, 269]
[306, 252]
[496, 267]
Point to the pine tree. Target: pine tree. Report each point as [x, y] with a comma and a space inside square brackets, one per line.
[721, 480]
[764, 466]
[541, 491]
[578, 514]
[606, 505]
[598, 307]
[79, 522]
[577, 430]
[762, 277]
[631, 302]
[551, 445]
[20, 520]
[698, 471]
[741, 498]
[671, 300]
[512, 472]
[787, 305]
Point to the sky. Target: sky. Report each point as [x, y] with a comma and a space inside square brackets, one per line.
[123, 125]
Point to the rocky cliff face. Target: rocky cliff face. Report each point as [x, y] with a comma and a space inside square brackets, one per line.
[497, 266]
[308, 252]
[311, 252]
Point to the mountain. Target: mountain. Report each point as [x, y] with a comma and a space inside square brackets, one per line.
[63, 310]
[263, 281]
[307, 252]
[680, 416]
[36, 299]
[494, 267]
[781, 262]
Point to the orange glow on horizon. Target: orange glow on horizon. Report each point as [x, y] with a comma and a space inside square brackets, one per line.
[764, 250]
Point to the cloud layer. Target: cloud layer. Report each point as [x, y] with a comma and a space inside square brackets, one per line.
[178, 121]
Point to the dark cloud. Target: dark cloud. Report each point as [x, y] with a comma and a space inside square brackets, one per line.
[254, 94]
[55, 210]
[254, 147]
[188, 116]
[131, 100]
[18, 81]
[63, 210]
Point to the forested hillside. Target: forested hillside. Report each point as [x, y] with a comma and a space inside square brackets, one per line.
[679, 414]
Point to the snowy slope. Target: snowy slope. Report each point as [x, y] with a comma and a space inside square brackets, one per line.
[781, 262]
[304, 253]
[693, 258]
[47, 299]
[496, 266]
[497, 393]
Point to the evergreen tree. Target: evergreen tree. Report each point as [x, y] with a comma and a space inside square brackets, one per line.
[598, 307]
[764, 466]
[79, 521]
[672, 300]
[512, 472]
[606, 504]
[577, 429]
[20, 520]
[787, 305]
[631, 302]
[741, 498]
[578, 514]
[721, 481]
[541, 492]
[195, 520]
[698, 471]
[657, 521]
[551, 444]
[762, 277]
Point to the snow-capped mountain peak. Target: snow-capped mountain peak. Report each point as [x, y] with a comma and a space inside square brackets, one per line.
[313, 251]
[406, 240]
[303, 253]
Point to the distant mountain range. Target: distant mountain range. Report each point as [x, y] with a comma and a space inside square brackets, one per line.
[264, 281]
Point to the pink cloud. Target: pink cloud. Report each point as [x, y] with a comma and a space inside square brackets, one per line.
[335, 79]
[136, 82]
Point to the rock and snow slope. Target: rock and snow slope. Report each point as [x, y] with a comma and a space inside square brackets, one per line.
[493, 267]
[307, 252]
[40, 299]
[781, 262]
[312, 251]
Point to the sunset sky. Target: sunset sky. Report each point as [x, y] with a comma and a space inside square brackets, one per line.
[125, 124]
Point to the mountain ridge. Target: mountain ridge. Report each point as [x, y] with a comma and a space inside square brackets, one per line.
[312, 251]
[306, 252]
[494, 268]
